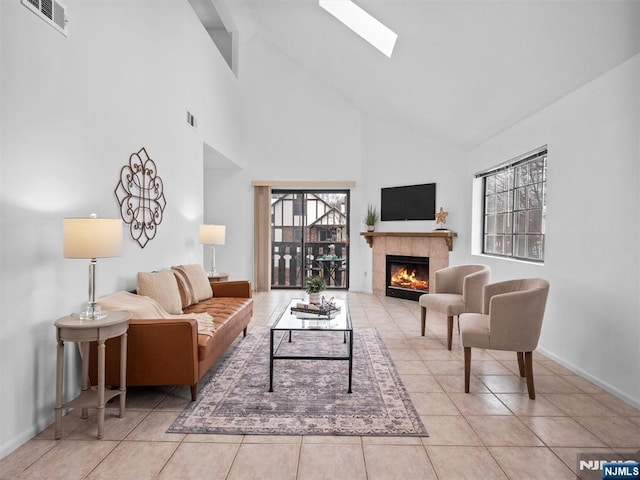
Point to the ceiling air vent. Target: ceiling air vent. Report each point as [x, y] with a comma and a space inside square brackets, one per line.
[50, 11]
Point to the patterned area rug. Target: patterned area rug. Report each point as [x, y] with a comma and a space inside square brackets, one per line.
[310, 396]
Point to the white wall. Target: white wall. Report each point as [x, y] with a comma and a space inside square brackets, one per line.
[593, 220]
[298, 128]
[72, 111]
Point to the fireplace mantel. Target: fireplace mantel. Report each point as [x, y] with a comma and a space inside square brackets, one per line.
[447, 235]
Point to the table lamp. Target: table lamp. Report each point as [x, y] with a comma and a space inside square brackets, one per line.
[92, 238]
[212, 235]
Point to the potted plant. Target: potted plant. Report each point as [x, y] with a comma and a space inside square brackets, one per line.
[371, 218]
[313, 286]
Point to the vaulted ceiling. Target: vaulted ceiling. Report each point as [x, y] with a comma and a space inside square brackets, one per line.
[462, 71]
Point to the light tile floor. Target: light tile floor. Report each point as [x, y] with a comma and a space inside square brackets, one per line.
[493, 432]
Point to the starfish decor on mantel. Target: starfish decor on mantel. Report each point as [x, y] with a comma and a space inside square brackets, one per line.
[441, 219]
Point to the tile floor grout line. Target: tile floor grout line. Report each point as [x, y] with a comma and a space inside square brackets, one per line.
[235, 457]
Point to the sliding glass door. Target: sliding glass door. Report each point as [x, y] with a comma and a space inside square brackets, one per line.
[309, 236]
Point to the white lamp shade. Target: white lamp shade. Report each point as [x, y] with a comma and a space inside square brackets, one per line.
[92, 237]
[212, 234]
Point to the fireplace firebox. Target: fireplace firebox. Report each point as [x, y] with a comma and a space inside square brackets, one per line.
[407, 277]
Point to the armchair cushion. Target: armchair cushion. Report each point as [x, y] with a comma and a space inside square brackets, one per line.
[476, 330]
[447, 303]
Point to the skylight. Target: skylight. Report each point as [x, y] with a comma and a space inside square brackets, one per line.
[374, 32]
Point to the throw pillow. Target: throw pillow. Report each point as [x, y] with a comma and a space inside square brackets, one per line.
[184, 287]
[196, 277]
[163, 288]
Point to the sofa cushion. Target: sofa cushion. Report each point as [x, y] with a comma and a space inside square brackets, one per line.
[225, 310]
[194, 283]
[221, 308]
[162, 287]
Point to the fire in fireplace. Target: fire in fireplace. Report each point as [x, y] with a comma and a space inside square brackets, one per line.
[402, 278]
[407, 277]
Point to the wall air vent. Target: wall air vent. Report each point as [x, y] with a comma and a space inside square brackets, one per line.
[50, 11]
[192, 120]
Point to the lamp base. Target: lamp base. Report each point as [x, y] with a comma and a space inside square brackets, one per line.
[93, 312]
[211, 273]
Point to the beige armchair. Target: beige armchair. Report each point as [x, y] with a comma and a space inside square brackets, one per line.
[511, 320]
[457, 290]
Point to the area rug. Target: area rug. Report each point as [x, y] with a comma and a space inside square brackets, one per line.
[310, 396]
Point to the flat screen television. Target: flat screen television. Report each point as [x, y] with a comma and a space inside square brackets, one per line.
[411, 202]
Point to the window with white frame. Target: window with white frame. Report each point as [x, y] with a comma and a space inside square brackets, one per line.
[514, 210]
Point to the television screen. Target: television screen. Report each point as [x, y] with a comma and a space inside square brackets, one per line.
[412, 202]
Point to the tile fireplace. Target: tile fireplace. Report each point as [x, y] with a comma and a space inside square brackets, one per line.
[432, 245]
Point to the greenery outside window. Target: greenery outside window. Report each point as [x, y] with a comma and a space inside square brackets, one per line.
[515, 207]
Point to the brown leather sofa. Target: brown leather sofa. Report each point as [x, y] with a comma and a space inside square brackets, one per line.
[171, 352]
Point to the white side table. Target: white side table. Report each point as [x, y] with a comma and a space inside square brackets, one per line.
[71, 328]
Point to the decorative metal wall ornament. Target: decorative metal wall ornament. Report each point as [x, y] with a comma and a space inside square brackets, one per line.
[140, 194]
